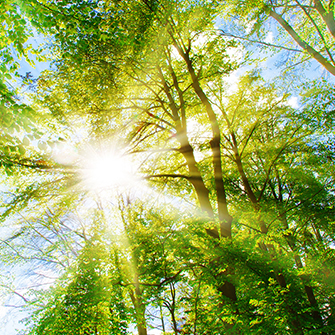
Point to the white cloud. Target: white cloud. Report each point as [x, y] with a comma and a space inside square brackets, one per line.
[293, 102]
[269, 37]
[249, 26]
[3, 311]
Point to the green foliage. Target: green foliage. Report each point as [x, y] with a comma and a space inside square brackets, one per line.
[80, 303]
[15, 31]
[310, 27]
[243, 240]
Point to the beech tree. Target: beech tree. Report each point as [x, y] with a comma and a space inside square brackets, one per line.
[249, 246]
[308, 24]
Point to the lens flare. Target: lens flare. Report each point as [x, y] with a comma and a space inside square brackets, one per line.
[107, 170]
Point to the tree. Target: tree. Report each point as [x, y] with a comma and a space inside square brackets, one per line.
[154, 76]
[310, 24]
[81, 302]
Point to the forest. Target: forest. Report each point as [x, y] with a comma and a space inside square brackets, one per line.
[167, 167]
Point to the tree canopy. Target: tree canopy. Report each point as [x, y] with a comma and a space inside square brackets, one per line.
[158, 177]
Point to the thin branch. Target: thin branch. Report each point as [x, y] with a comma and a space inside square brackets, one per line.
[223, 33]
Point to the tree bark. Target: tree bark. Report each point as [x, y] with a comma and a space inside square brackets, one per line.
[305, 46]
[246, 184]
[187, 151]
[136, 297]
[290, 241]
[328, 17]
[224, 216]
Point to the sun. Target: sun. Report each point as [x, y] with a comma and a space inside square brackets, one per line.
[107, 170]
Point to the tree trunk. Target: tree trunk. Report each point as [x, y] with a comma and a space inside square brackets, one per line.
[136, 298]
[305, 46]
[224, 216]
[328, 17]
